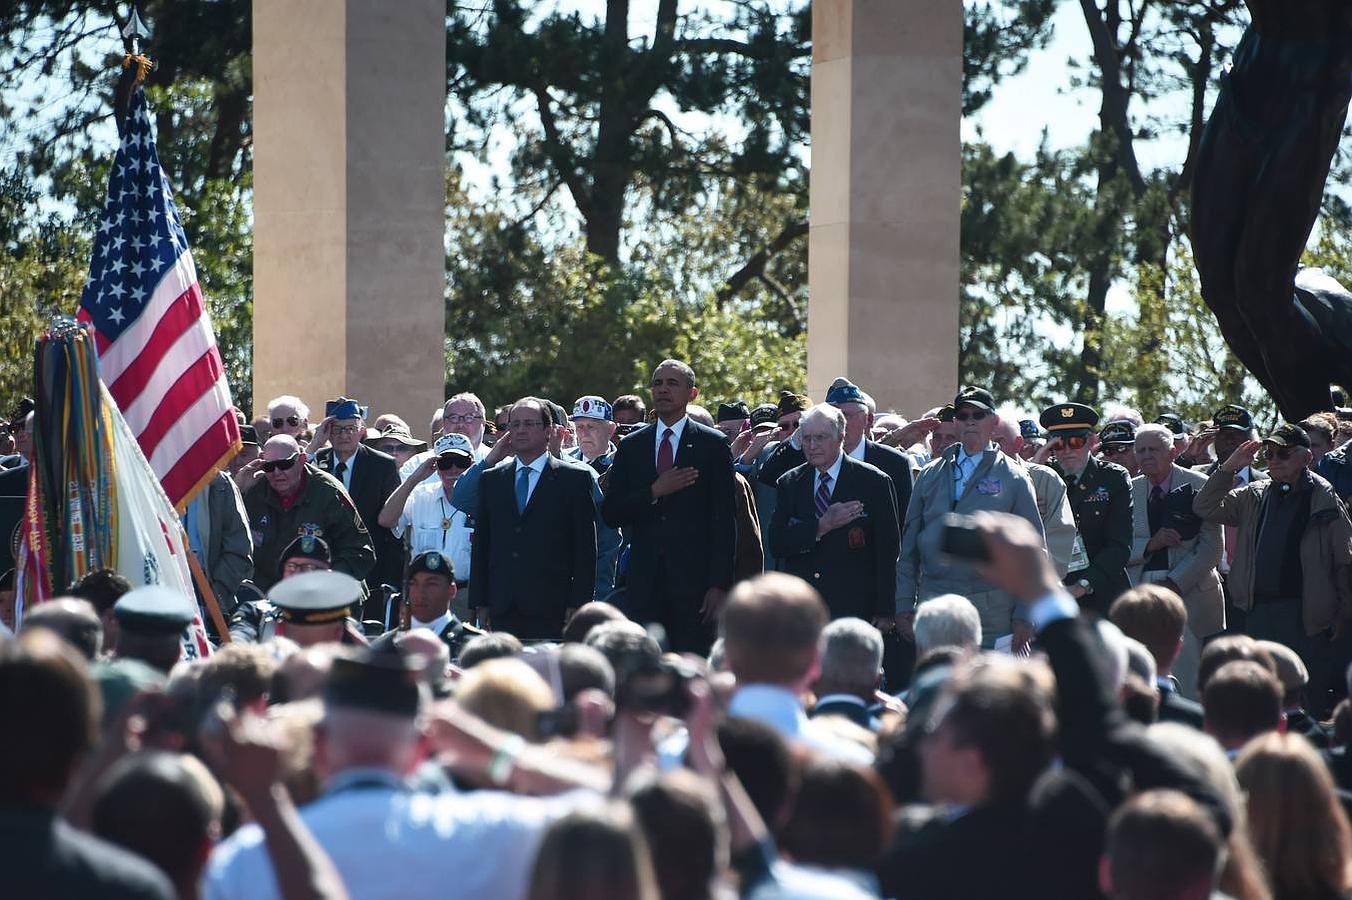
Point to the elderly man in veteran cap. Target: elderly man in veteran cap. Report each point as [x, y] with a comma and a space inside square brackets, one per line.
[594, 424]
[734, 417]
[1117, 442]
[858, 408]
[1291, 573]
[1100, 496]
[969, 476]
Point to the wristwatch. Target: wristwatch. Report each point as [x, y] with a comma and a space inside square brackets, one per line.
[1085, 585]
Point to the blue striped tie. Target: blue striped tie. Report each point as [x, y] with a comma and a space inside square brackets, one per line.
[823, 494]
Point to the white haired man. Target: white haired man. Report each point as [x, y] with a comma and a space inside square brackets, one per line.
[851, 672]
[949, 620]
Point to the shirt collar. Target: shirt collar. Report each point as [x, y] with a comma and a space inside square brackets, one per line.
[1166, 485]
[776, 706]
[538, 465]
[677, 429]
[834, 471]
[348, 460]
[436, 626]
[362, 776]
[858, 451]
[962, 453]
[842, 698]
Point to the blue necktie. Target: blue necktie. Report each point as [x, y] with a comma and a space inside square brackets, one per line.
[522, 488]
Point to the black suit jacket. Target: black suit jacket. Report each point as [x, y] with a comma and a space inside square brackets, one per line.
[853, 567]
[43, 858]
[541, 561]
[685, 542]
[895, 464]
[1174, 707]
[857, 713]
[375, 476]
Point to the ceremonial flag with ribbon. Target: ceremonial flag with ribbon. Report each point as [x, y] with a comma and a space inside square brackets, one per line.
[157, 351]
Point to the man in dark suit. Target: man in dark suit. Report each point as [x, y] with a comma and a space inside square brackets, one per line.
[1156, 616]
[835, 524]
[671, 491]
[851, 673]
[1100, 496]
[534, 556]
[368, 476]
[858, 409]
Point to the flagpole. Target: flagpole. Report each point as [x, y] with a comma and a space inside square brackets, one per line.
[204, 586]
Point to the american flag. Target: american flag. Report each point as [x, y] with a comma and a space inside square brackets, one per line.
[157, 351]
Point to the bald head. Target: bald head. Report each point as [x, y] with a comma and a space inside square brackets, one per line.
[1007, 437]
[280, 446]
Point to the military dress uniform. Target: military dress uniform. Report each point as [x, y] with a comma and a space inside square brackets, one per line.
[315, 598]
[453, 631]
[1100, 498]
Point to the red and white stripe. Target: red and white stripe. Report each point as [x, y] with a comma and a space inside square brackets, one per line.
[166, 374]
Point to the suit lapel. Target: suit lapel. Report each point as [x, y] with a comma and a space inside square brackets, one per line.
[546, 477]
[685, 450]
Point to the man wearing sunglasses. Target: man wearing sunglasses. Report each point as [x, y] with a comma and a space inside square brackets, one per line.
[1100, 496]
[1293, 554]
[1118, 442]
[291, 498]
[969, 476]
[289, 415]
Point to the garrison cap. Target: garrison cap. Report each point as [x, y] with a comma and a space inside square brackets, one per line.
[1233, 416]
[789, 402]
[1118, 431]
[732, 411]
[975, 396]
[314, 598]
[375, 682]
[1288, 435]
[154, 610]
[343, 408]
[765, 414]
[592, 407]
[945, 413]
[842, 390]
[1066, 417]
[434, 562]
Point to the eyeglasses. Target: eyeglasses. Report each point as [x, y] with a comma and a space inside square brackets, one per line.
[969, 417]
[1073, 442]
[1117, 451]
[345, 429]
[280, 465]
[1282, 453]
[446, 462]
[293, 421]
[463, 420]
[525, 424]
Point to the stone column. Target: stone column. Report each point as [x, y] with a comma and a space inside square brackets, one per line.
[885, 196]
[349, 203]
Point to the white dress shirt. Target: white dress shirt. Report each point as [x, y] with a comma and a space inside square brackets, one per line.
[779, 708]
[346, 477]
[834, 472]
[677, 430]
[393, 844]
[435, 626]
[858, 451]
[537, 468]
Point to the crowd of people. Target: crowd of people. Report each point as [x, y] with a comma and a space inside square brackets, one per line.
[639, 650]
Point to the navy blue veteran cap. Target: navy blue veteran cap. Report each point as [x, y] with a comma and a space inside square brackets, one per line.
[314, 598]
[343, 408]
[375, 682]
[307, 546]
[1174, 422]
[154, 610]
[1288, 435]
[431, 561]
[975, 396]
[1233, 416]
[1028, 430]
[1118, 431]
[1065, 417]
[766, 413]
[733, 411]
[248, 435]
[842, 390]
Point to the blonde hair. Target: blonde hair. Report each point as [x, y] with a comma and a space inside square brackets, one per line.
[1295, 820]
[506, 693]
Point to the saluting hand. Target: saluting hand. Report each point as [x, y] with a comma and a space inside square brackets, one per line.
[1243, 456]
[912, 432]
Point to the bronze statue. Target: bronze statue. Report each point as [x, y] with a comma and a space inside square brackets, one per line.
[1261, 168]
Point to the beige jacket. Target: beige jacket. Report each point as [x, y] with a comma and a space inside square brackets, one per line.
[1325, 548]
[1192, 564]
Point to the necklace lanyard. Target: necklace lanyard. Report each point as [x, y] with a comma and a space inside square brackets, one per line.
[445, 520]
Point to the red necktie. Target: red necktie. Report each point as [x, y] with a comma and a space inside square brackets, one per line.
[666, 457]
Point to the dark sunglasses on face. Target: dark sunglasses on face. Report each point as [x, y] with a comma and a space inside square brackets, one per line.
[1073, 442]
[280, 465]
[1282, 453]
[446, 462]
[293, 421]
[969, 417]
[1117, 451]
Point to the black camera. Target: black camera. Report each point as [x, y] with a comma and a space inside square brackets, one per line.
[961, 540]
[656, 687]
